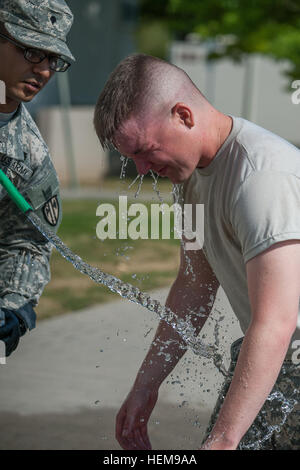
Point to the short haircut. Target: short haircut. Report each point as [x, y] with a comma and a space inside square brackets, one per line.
[138, 80]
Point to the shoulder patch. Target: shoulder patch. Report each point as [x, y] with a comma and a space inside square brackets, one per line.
[51, 211]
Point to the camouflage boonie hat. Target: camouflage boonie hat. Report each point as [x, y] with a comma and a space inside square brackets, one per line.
[42, 24]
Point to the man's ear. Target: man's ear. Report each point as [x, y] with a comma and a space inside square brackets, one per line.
[184, 114]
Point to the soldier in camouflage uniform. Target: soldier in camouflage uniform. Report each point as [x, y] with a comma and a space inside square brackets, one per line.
[32, 48]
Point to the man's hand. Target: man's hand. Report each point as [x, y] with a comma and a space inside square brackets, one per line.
[132, 419]
[14, 324]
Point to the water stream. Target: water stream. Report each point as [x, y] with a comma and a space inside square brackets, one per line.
[129, 292]
[183, 327]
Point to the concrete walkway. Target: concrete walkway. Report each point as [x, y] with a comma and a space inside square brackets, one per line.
[66, 382]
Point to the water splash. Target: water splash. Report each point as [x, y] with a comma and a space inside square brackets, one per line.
[124, 161]
[139, 186]
[154, 185]
[133, 182]
[140, 178]
[284, 406]
[183, 327]
[178, 196]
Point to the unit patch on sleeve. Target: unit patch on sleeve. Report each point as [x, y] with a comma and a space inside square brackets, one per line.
[51, 211]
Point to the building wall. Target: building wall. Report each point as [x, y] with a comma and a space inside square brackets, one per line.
[90, 162]
[255, 89]
[101, 36]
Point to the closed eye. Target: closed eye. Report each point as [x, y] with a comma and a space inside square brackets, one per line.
[141, 151]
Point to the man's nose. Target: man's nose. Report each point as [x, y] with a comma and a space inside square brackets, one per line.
[43, 68]
[142, 167]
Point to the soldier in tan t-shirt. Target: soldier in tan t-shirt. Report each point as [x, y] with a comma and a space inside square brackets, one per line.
[248, 181]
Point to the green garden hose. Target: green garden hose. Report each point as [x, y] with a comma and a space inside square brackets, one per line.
[14, 193]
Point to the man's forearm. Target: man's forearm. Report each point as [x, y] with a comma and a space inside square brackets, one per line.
[165, 351]
[168, 347]
[258, 366]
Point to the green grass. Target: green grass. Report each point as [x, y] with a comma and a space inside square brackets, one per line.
[164, 185]
[147, 264]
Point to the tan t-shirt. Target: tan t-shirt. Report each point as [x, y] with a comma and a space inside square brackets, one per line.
[251, 197]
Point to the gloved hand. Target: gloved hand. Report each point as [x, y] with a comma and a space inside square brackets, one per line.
[16, 324]
[27, 317]
[10, 332]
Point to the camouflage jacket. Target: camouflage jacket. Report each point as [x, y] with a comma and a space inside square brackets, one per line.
[24, 253]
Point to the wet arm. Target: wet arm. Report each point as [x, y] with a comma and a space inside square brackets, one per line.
[191, 295]
[188, 294]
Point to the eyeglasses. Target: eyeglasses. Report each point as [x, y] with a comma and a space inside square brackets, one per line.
[36, 56]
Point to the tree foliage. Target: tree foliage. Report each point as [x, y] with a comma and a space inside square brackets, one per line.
[269, 27]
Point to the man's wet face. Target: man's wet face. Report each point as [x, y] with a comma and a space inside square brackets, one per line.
[161, 147]
[23, 80]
